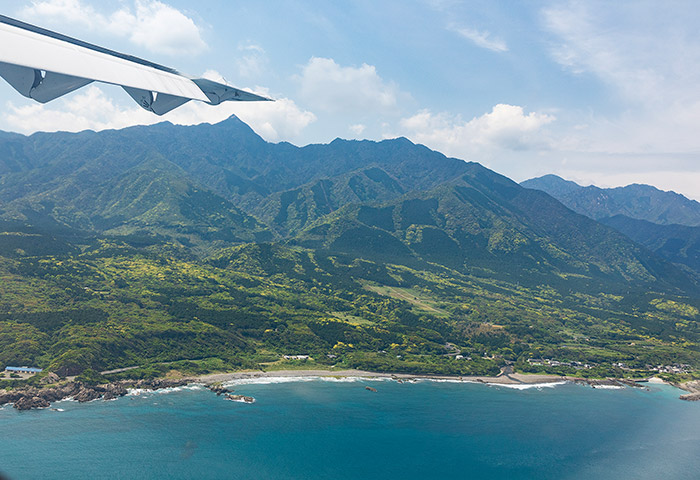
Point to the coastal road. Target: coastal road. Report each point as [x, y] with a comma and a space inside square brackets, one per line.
[119, 370]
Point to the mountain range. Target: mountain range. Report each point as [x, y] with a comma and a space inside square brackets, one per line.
[664, 222]
[643, 202]
[210, 186]
[185, 239]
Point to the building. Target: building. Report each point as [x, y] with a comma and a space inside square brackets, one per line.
[22, 369]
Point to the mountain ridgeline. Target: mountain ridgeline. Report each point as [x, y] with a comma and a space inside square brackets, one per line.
[664, 222]
[210, 186]
[208, 246]
[642, 202]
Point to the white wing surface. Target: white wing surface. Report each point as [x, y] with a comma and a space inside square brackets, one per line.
[44, 65]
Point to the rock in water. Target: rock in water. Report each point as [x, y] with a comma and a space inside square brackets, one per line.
[219, 389]
[239, 398]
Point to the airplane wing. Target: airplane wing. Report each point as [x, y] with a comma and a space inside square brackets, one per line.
[44, 65]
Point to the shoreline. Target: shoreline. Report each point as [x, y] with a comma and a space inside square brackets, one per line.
[509, 379]
[27, 398]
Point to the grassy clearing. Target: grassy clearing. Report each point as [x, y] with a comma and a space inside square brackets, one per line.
[416, 298]
[352, 319]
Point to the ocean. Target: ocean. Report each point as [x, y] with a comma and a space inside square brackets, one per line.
[337, 429]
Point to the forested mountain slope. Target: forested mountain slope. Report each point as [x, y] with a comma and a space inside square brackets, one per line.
[206, 248]
[679, 244]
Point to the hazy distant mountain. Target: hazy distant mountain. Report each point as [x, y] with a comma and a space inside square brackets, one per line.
[642, 202]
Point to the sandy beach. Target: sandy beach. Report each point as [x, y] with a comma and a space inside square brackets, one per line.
[508, 379]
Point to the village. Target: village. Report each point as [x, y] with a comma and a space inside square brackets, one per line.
[676, 368]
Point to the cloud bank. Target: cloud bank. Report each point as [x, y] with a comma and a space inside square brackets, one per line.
[506, 127]
[330, 87]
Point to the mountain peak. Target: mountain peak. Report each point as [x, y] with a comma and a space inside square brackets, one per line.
[552, 184]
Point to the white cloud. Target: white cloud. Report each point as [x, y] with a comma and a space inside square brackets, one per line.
[88, 110]
[357, 129]
[628, 47]
[214, 76]
[274, 121]
[252, 62]
[481, 39]
[91, 109]
[159, 27]
[330, 87]
[73, 11]
[151, 24]
[506, 127]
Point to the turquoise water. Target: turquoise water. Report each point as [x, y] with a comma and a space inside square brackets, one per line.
[329, 429]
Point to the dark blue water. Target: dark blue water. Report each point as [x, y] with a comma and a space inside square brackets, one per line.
[322, 430]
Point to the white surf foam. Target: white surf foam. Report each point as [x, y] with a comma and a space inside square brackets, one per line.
[439, 380]
[131, 392]
[526, 386]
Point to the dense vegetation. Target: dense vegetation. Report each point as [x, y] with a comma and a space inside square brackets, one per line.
[115, 305]
[204, 248]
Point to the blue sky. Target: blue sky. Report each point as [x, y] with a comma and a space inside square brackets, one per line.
[595, 91]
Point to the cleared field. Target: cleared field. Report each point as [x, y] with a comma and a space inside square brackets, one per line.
[352, 319]
[415, 298]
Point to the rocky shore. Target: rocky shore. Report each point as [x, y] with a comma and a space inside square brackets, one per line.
[27, 398]
[693, 389]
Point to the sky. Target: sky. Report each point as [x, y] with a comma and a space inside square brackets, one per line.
[599, 92]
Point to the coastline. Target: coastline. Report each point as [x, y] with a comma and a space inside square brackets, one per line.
[42, 397]
[513, 380]
[508, 379]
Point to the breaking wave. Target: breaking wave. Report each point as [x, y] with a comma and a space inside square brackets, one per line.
[526, 386]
